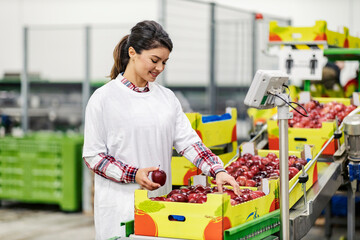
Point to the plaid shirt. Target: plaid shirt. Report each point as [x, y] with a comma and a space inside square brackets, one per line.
[135, 88]
[105, 166]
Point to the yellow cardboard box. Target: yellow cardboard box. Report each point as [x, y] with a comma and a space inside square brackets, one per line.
[311, 136]
[318, 32]
[312, 172]
[218, 134]
[307, 154]
[198, 221]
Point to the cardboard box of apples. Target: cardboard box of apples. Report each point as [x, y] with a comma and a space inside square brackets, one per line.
[253, 165]
[317, 128]
[200, 212]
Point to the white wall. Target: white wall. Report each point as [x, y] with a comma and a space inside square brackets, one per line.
[70, 16]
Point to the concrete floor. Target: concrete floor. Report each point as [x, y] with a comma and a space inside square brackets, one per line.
[20, 221]
[43, 222]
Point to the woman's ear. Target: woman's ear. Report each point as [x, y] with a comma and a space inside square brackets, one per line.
[132, 52]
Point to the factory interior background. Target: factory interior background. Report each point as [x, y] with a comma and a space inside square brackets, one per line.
[57, 53]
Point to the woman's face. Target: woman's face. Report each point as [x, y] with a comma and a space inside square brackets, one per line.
[150, 63]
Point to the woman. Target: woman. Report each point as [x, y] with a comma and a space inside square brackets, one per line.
[131, 125]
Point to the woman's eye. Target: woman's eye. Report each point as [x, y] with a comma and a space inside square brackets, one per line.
[153, 61]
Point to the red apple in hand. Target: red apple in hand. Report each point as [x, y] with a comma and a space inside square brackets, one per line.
[159, 176]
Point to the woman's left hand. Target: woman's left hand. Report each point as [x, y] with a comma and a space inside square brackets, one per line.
[223, 178]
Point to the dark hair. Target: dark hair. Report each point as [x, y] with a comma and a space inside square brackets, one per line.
[144, 35]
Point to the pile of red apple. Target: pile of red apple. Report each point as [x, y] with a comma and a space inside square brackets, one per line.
[249, 169]
[198, 194]
[318, 113]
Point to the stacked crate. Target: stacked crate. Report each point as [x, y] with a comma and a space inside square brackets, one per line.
[42, 169]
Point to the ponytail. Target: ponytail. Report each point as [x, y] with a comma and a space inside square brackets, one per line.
[121, 57]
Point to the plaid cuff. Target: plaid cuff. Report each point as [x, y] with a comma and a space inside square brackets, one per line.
[115, 170]
[205, 155]
[129, 174]
[215, 169]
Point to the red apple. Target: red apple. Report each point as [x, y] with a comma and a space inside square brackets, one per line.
[199, 188]
[247, 156]
[241, 160]
[292, 172]
[256, 194]
[238, 172]
[265, 161]
[231, 193]
[236, 164]
[185, 191]
[245, 190]
[178, 197]
[201, 199]
[271, 156]
[249, 175]
[230, 169]
[298, 166]
[249, 163]
[159, 199]
[245, 168]
[246, 197]
[241, 180]
[292, 159]
[250, 183]
[173, 192]
[159, 176]
[301, 161]
[233, 202]
[254, 169]
[239, 199]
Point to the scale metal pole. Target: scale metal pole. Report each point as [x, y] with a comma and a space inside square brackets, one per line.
[283, 116]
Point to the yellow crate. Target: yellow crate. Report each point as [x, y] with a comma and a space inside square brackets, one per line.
[297, 192]
[193, 118]
[354, 42]
[219, 136]
[182, 170]
[318, 32]
[218, 132]
[198, 221]
[261, 115]
[345, 101]
[298, 137]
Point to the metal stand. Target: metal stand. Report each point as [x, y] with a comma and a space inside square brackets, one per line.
[351, 210]
[283, 116]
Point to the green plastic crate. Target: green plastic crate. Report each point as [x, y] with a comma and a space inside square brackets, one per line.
[42, 168]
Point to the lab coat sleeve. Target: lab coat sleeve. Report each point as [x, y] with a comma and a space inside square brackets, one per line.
[95, 150]
[189, 144]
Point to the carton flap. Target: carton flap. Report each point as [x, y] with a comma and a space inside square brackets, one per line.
[307, 152]
[248, 147]
[304, 97]
[200, 179]
[355, 99]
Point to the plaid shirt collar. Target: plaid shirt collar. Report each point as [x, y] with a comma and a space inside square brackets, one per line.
[135, 88]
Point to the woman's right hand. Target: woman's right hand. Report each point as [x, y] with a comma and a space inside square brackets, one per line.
[142, 178]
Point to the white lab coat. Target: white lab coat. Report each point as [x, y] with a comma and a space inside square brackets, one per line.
[138, 128]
